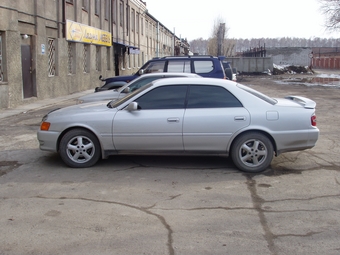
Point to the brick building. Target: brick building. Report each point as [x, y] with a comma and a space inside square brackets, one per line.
[51, 48]
[326, 58]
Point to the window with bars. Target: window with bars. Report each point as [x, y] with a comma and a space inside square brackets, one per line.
[114, 12]
[98, 58]
[107, 10]
[137, 22]
[97, 7]
[142, 26]
[86, 58]
[121, 13]
[71, 57]
[85, 5]
[51, 57]
[127, 19]
[133, 20]
[1, 60]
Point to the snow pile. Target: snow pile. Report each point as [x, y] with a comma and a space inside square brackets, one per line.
[288, 69]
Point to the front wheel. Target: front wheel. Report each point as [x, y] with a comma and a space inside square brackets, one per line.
[252, 152]
[79, 148]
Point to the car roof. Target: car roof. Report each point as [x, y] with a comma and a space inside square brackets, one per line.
[195, 81]
[169, 74]
[189, 57]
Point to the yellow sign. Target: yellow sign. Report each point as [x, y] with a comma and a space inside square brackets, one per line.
[77, 32]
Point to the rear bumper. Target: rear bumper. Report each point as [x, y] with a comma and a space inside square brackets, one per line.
[298, 141]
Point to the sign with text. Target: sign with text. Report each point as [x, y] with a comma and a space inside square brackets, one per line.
[77, 32]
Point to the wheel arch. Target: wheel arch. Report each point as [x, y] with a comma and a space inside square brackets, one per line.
[270, 137]
[79, 127]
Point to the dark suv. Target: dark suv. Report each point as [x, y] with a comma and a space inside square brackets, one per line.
[203, 65]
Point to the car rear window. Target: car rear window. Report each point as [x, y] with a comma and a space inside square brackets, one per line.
[258, 94]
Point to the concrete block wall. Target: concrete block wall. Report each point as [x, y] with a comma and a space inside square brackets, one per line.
[251, 65]
[296, 56]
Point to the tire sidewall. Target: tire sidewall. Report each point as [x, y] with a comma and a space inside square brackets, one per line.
[69, 136]
[237, 146]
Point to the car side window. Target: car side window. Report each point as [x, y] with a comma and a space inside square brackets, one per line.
[201, 96]
[179, 66]
[203, 66]
[155, 67]
[167, 97]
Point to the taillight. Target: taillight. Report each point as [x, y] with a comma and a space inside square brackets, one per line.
[313, 120]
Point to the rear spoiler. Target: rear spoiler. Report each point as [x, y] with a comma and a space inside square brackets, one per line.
[306, 102]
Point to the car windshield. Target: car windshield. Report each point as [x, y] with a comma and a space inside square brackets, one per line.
[116, 103]
[258, 94]
[136, 84]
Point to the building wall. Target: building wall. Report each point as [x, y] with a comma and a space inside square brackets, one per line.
[57, 66]
[326, 58]
[251, 64]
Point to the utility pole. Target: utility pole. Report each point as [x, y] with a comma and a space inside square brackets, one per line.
[220, 39]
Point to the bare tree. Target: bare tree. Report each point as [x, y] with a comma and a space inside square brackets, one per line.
[217, 42]
[331, 9]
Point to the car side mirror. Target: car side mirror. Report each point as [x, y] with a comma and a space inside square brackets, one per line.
[141, 71]
[126, 90]
[133, 106]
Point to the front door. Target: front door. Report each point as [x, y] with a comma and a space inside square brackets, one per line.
[26, 63]
[116, 65]
[156, 126]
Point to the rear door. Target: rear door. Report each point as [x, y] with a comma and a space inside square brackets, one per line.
[212, 116]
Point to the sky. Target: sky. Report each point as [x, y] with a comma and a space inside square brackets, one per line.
[193, 19]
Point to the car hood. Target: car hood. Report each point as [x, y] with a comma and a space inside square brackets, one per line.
[93, 107]
[100, 96]
[121, 78]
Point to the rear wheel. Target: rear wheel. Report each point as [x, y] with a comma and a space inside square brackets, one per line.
[252, 152]
[79, 148]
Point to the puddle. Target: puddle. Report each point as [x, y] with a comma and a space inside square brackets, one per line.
[315, 81]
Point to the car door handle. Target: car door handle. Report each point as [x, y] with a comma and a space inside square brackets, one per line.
[173, 119]
[239, 118]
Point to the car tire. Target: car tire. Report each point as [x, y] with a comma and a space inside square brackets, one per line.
[79, 148]
[252, 152]
[229, 73]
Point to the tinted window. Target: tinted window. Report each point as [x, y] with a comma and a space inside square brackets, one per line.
[179, 66]
[211, 97]
[203, 66]
[155, 67]
[167, 97]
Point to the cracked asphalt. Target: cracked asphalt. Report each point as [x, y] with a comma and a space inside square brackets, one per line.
[172, 205]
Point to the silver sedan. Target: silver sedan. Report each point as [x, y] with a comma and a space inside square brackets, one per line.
[190, 116]
[130, 87]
